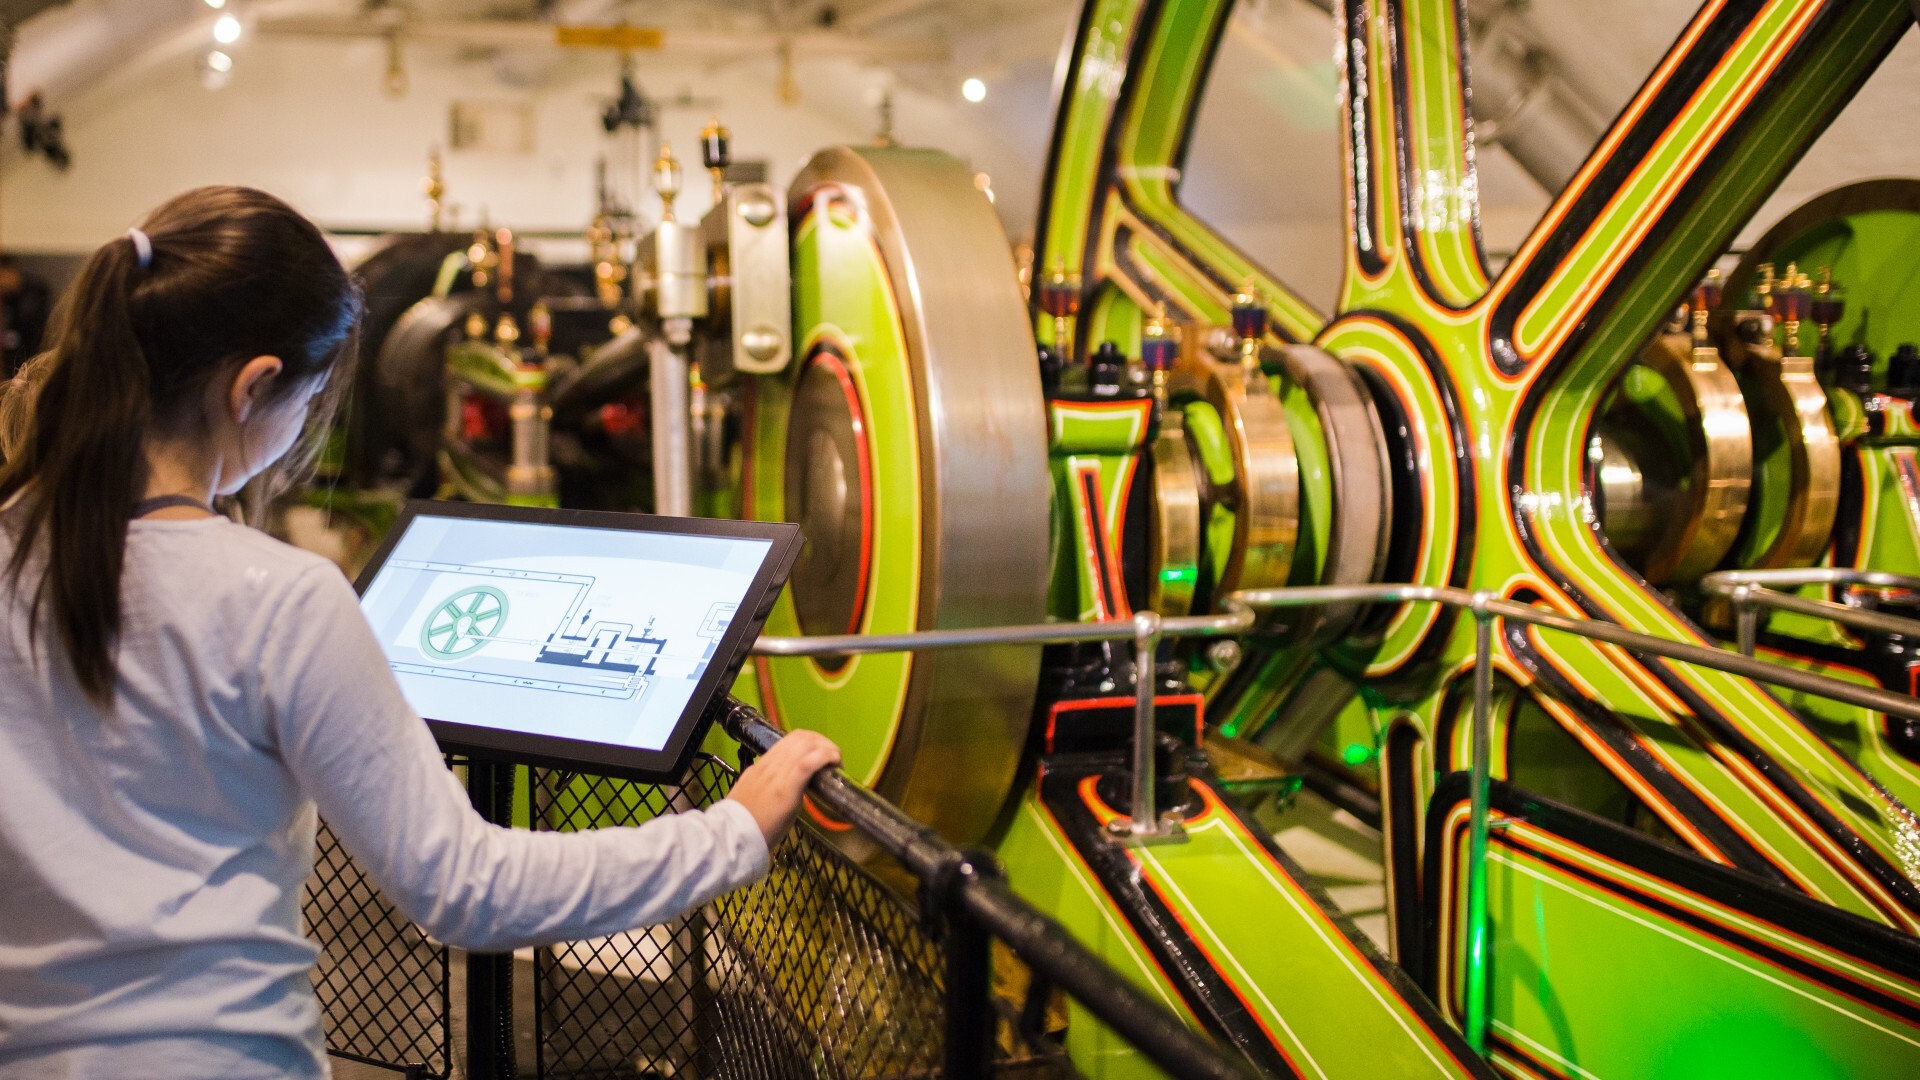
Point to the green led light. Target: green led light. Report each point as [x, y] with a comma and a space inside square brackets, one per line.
[1356, 753]
[1180, 573]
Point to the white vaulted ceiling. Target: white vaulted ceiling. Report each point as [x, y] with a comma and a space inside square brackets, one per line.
[305, 110]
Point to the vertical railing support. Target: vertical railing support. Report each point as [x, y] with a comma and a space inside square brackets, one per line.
[969, 949]
[490, 1053]
[1746, 619]
[1481, 779]
[1146, 644]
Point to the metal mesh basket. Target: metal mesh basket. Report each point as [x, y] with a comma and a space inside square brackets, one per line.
[818, 970]
[382, 984]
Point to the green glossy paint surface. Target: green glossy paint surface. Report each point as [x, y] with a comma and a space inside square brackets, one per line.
[1044, 869]
[1858, 733]
[1889, 521]
[1087, 208]
[1870, 253]
[1589, 985]
[1209, 437]
[842, 293]
[1084, 116]
[1248, 715]
[1355, 739]
[1768, 502]
[1312, 989]
[1551, 496]
[1101, 439]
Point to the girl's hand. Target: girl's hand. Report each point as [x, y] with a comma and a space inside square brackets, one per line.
[771, 787]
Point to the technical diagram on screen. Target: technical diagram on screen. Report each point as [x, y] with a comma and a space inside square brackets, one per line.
[555, 635]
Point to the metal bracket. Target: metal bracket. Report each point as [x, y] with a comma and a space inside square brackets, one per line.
[750, 327]
[1120, 831]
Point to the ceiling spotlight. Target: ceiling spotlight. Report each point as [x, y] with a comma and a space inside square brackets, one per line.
[226, 30]
[216, 69]
[974, 90]
[216, 4]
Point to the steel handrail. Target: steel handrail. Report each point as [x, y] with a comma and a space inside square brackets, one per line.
[1750, 590]
[1242, 608]
[1050, 633]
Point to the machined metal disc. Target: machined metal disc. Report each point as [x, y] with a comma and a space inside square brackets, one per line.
[1345, 478]
[1702, 526]
[1362, 517]
[1175, 528]
[909, 440]
[1628, 512]
[1266, 487]
[1786, 388]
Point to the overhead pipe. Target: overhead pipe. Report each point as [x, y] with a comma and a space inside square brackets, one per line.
[1521, 103]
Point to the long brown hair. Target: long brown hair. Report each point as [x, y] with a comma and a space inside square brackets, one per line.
[233, 274]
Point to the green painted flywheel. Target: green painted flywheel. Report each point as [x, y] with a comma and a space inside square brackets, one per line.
[463, 622]
[908, 440]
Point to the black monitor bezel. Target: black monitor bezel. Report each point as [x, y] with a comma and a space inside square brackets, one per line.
[668, 764]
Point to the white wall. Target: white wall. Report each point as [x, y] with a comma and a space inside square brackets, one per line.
[307, 119]
[1609, 49]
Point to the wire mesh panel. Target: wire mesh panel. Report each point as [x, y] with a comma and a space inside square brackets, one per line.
[621, 1006]
[818, 970]
[382, 984]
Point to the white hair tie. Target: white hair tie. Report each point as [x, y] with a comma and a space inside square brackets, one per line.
[142, 247]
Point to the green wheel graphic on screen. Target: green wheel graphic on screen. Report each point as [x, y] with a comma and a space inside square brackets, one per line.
[465, 621]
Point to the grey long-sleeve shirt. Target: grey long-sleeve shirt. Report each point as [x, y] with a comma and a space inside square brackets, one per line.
[151, 859]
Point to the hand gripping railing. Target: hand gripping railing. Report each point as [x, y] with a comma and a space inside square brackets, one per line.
[979, 908]
[1147, 629]
[1751, 590]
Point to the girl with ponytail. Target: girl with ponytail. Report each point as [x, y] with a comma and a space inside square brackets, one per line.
[179, 693]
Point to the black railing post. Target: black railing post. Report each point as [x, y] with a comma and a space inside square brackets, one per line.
[490, 1053]
[969, 948]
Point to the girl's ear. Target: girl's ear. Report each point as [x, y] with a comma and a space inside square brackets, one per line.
[251, 385]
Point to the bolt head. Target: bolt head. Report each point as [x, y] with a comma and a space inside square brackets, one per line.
[1224, 656]
[757, 211]
[761, 343]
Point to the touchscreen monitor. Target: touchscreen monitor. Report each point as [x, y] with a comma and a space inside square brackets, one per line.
[570, 638]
